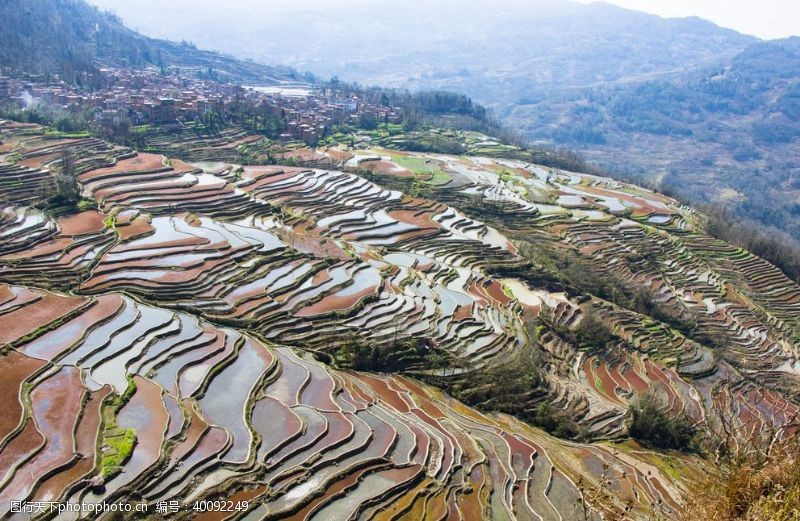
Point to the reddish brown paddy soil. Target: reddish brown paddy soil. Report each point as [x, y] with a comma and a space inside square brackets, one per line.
[25, 320]
[45, 248]
[25, 443]
[420, 219]
[182, 167]
[338, 156]
[590, 249]
[82, 223]
[273, 174]
[609, 385]
[197, 427]
[39, 161]
[642, 207]
[462, 313]
[139, 163]
[636, 381]
[613, 370]
[15, 368]
[335, 303]
[136, 229]
[85, 442]
[384, 392]
[656, 374]
[6, 295]
[495, 291]
[55, 407]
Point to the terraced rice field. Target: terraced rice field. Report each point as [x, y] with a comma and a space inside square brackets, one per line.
[169, 345]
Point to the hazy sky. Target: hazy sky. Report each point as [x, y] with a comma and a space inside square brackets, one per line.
[762, 18]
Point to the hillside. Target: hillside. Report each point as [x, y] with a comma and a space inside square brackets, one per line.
[730, 133]
[69, 37]
[180, 309]
[678, 103]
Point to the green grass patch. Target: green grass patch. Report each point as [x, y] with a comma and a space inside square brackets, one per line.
[67, 135]
[440, 178]
[117, 443]
[118, 449]
[418, 165]
[598, 383]
[86, 204]
[422, 166]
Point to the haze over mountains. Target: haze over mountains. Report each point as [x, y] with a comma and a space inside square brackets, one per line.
[523, 46]
[636, 93]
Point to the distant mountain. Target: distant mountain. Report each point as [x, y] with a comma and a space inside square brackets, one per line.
[70, 37]
[728, 133]
[498, 52]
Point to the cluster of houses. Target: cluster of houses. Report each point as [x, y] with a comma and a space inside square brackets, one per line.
[153, 96]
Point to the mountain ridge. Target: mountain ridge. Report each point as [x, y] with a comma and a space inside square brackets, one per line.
[462, 35]
[71, 37]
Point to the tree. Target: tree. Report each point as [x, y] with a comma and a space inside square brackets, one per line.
[68, 191]
[653, 426]
[592, 331]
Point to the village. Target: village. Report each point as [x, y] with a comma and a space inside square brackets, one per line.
[164, 97]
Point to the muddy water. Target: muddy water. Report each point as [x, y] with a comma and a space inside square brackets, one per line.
[275, 423]
[14, 369]
[51, 345]
[85, 442]
[19, 323]
[371, 486]
[55, 406]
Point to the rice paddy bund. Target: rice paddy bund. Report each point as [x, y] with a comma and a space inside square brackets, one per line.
[169, 343]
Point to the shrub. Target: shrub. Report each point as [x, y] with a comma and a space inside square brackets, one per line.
[652, 426]
[593, 332]
[395, 357]
[557, 422]
[67, 189]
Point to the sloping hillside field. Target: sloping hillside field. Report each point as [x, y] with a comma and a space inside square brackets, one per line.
[221, 335]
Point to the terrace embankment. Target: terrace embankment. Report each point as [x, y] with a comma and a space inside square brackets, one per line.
[180, 314]
[202, 405]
